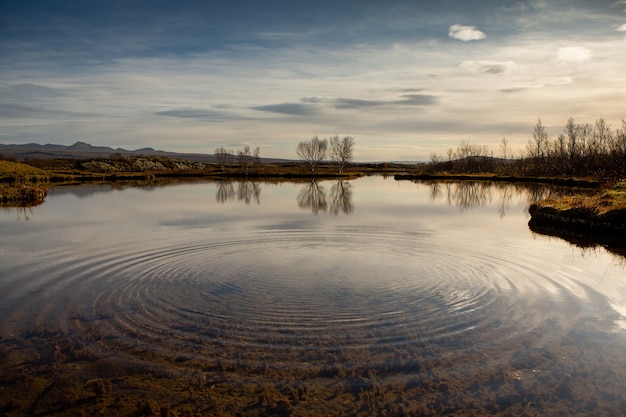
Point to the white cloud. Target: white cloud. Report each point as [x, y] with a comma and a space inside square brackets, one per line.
[466, 33]
[622, 28]
[572, 55]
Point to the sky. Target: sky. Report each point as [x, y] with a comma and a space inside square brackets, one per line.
[405, 78]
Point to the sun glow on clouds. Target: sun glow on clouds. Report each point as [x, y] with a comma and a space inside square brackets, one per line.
[572, 55]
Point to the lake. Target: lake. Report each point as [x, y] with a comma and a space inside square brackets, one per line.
[361, 297]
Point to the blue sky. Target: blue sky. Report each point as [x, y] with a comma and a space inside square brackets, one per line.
[405, 78]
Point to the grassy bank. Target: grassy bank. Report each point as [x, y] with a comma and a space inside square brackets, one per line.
[585, 220]
[19, 184]
[22, 195]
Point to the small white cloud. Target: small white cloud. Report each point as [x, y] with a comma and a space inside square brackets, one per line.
[572, 55]
[622, 28]
[466, 33]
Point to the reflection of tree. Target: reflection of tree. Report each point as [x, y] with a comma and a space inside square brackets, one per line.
[507, 196]
[225, 191]
[249, 190]
[471, 194]
[341, 198]
[312, 197]
[24, 212]
[435, 191]
[246, 191]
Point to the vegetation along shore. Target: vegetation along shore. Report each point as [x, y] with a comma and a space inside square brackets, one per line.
[590, 158]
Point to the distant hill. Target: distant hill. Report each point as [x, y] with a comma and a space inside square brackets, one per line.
[82, 150]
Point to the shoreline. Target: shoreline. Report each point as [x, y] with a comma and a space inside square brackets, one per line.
[601, 217]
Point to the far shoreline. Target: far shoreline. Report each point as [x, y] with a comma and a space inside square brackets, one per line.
[598, 219]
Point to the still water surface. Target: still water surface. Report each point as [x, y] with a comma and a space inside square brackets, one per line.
[325, 280]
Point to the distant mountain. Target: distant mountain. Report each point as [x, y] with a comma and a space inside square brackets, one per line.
[82, 150]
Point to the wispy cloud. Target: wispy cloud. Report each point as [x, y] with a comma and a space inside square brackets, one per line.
[28, 91]
[489, 67]
[405, 100]
[292, 109]
[465, 33]
[622, 28]
[19, 111]
[200, 114]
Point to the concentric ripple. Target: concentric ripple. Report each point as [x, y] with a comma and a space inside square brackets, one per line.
[277, 292]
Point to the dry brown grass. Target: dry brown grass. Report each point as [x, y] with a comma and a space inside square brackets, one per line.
[18, 170]
[605, 201]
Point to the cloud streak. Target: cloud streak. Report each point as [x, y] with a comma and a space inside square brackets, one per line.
[199, 114]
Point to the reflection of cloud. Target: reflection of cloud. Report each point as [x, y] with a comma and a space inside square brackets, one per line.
[466, 33]
[572, 54]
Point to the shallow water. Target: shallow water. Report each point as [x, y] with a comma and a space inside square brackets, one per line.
[370, 285]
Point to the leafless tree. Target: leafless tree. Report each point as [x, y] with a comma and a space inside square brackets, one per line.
[504, 148]
[342, 150]
[436, 158]
[248, 159]
[538, 144]
[313, 151]
[224, 157]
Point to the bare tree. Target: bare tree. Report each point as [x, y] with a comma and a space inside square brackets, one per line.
[313, 151]
[342, 150]
[538, 144]
[504, 148]
[436, 158]
[224, 157]
[244, 157]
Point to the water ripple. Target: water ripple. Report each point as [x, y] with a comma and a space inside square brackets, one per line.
[295, 290]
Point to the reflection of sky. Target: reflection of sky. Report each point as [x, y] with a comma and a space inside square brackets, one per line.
[402, 212]
[405, 78]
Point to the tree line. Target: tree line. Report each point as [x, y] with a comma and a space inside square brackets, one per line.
[581, 150]
[312, 152]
